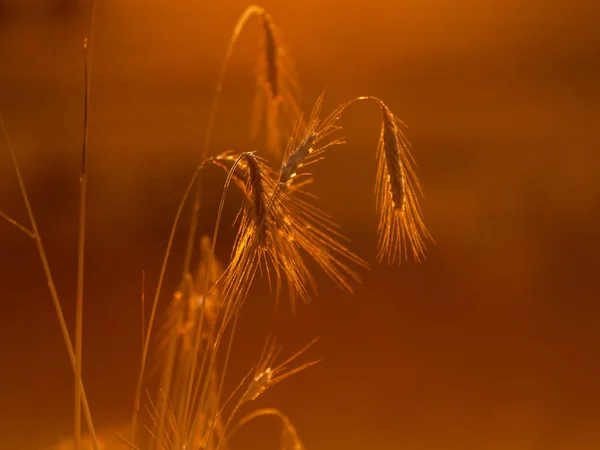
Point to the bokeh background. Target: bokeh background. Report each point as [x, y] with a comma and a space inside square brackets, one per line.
[492, 343]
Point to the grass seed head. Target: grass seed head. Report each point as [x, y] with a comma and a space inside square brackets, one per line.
[401, 227]
[268, 373]
[271, 50]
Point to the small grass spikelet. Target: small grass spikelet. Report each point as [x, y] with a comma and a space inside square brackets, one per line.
[307, 144]
[268, 374]
[314, 230]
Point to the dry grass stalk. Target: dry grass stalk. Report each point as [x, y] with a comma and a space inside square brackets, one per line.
[51, 286]
[188, 334]
[154, 307]
[83, 180]
[17, 224]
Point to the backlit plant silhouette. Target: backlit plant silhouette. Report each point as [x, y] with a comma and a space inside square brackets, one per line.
[278, 228]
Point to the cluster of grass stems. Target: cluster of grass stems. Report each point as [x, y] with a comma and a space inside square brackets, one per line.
[278, 226]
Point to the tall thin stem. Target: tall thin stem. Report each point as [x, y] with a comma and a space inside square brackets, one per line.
[83, 181]
[51, 286]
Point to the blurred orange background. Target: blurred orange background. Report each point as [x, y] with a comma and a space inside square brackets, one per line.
[492, 343]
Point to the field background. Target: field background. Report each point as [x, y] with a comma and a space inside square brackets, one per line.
[493, 343]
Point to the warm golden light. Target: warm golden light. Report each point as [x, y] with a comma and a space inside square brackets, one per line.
[413, 182]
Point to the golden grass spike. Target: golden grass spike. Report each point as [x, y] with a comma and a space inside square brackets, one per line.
[306, 145]
[275, 99]
[271, 49]
[401, 226]
[277, 89]
[256, 189]
[397, 189]
[391, 154]
[264, 243]
[311, 228]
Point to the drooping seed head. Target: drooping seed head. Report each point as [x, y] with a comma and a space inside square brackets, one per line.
[401, 226]
[271, 56]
